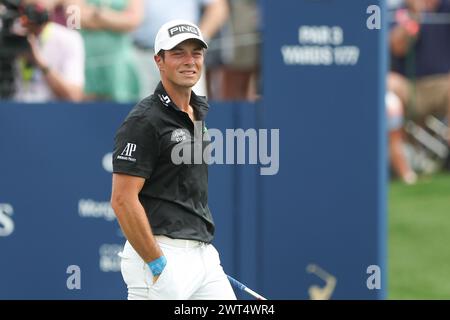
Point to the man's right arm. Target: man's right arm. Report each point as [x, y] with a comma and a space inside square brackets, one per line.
[131, 216]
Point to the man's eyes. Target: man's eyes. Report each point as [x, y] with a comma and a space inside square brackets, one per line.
[181, 53]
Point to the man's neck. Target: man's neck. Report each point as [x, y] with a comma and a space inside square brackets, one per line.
[179, 95]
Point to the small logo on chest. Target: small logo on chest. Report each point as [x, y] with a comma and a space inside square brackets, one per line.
[179, 135]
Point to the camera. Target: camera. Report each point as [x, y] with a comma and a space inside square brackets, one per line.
[12, 44]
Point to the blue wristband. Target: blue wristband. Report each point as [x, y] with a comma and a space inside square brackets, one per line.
[157, 266]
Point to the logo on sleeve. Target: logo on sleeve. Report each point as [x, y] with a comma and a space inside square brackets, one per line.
[127, 153]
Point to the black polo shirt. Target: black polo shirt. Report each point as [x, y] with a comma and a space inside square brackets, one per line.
[174, 196]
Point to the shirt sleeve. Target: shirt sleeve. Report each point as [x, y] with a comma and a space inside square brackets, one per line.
[136, 148]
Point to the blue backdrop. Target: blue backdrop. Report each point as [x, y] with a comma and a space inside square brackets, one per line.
[324, 72]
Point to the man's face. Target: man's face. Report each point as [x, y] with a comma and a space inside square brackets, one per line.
[183, 64]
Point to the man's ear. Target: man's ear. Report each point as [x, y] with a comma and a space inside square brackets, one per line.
[159, 61]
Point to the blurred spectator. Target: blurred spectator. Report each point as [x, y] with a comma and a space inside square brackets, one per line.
[398, 160]
[111, 67]
[56, 10]
[420, 47]
[209, 15]
[236, 75]
[53, 68]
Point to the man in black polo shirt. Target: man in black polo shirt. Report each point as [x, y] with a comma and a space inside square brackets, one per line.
[160, 203]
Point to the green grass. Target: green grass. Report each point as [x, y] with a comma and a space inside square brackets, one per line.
[419, 239]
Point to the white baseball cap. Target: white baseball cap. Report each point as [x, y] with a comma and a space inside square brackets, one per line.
[176, 31]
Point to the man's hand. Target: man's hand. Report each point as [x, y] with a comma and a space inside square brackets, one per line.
[157, 266]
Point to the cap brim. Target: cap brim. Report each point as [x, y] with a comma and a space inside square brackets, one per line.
[172, 43]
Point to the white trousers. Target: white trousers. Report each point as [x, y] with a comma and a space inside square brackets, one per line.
[193, 272]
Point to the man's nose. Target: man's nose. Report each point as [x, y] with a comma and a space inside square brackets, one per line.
[189, 59]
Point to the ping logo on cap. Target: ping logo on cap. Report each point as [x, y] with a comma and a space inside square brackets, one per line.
[183, 28]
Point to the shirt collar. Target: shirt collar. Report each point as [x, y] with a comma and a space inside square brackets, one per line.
[199, 103]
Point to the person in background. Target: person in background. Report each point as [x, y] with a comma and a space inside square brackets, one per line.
[53, 67]
[234, 73]
[420, 50]
[111, 67]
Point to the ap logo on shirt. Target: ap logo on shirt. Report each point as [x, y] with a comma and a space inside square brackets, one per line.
[127, 153]
[129, 149]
